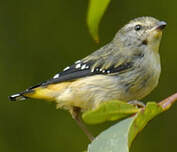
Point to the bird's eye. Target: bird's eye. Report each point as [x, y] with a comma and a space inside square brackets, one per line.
[138, 27]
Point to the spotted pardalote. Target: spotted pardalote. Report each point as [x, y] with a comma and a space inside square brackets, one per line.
[127, 68]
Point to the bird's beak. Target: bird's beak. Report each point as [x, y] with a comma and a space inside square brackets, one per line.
[156, 32]
[155, 35]
[161, 25]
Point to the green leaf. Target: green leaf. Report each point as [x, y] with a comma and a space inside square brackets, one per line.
[109, 111]
[119, 137]
[96, 10]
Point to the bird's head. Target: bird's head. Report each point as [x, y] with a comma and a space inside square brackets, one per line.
[141, 32]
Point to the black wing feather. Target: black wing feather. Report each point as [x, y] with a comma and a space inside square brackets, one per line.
[69, 77]
[73, 73]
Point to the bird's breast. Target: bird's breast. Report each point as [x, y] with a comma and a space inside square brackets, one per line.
[144, 77]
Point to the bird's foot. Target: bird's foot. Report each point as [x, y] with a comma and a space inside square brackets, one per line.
[137, 103]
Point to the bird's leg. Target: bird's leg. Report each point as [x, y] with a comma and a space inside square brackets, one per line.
[137, 103]
[76, 116]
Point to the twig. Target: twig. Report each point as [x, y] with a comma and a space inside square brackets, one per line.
[76, 116]
[167, 103]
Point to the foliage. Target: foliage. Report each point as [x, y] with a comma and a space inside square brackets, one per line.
[95, 12]
[109, 111]
[119, 137]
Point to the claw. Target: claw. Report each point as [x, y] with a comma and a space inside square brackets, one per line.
[137, 103]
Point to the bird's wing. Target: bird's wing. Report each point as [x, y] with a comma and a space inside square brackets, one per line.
[102, 62]
[99, 62]
[82, 69]
[78, 70]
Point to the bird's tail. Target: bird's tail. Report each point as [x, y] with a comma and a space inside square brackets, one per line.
[23, 95]
[17, 97]
[39, 92]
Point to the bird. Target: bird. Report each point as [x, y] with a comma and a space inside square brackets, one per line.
[127, 68]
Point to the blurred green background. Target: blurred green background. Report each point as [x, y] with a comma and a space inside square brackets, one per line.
[38, 38]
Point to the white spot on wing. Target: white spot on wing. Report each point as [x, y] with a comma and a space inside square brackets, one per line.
[56, 76]
[83, 66]
[78, 66]
[67, 68]
[108, 71]
[77, 61]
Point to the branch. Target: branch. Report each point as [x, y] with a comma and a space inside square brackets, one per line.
[168, 102]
